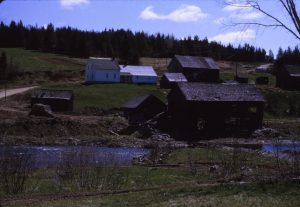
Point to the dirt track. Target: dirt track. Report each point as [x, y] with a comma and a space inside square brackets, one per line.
[11, 92]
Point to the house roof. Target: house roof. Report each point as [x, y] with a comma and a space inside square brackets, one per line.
[293, 70]
[103, 63]
[136, 101]
[175, 77]
[220, 92]
[55, 94]
[197, 62]
[138, 70]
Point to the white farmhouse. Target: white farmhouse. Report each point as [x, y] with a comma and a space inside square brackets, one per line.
[138, 74]
[102, 70]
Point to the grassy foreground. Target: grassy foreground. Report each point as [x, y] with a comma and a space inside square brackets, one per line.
[150, 185]
[234, 196]
[102, 97]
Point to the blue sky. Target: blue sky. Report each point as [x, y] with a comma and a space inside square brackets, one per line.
[182, 18]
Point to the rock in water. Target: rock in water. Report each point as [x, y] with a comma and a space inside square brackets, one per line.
[41, 110]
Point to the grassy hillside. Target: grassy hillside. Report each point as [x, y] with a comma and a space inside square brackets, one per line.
[106, 96]
[31, 61]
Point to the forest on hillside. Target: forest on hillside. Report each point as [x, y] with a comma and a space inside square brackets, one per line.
[124, 44]
[129, 46]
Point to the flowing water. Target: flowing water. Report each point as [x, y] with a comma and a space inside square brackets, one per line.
[52, 156]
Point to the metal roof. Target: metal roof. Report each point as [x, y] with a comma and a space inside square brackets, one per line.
[136, 101]
[175, 77]
[293, 70]
[138, 70]
[220, 92]
[53, 94]
[103, 63]
[197, 62]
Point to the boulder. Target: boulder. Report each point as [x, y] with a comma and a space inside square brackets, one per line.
[41, 110]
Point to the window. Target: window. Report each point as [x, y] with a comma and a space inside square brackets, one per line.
[115, 76]
[106, 76]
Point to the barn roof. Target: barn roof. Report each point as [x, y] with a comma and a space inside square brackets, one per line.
[293, 70]
[103, 63]
[136, 101]
[52, 94]
[138, 70]
[220, 92]
[197, 62]
[175, 77]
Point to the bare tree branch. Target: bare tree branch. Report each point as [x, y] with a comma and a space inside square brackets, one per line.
[288, 5]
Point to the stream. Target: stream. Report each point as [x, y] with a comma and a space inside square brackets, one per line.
[53, 156]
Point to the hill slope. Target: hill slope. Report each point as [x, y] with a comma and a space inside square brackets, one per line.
[31, 61]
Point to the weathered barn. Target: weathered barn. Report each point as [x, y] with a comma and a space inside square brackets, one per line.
[288, 77]
[195, 69]
[138, 74]
[215, 108]
[142, 108]
[58, 100]
[102, 70]
[169, 80]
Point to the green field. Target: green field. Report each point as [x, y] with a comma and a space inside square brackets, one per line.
[101, 97]
[32, 61]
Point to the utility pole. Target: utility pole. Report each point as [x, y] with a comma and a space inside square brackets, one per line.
[3, 67]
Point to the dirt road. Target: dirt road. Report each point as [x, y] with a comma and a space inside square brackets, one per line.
[11, 92]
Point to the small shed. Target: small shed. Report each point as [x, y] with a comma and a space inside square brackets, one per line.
[138, 74]
[142, 108]
[262, 80]
[215, 108]
[169, 80]
[241, 79]
[195, 68]
[58, 100]
[288, 77]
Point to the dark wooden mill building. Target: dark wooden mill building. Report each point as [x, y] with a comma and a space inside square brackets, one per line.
[58, 100]
[195, 68]
[142, 108]
[169, 80]
[288, 77]
[215, 108]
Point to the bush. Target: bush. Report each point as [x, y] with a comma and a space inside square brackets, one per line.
[15, 168]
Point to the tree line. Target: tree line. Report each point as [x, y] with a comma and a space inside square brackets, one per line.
[124, 44]
[288, 56]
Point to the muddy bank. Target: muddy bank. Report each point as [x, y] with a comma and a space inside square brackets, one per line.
[17, 128]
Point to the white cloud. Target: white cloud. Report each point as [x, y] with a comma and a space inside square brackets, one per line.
[69, 4]
[185, 13]
[247, 15]
[237, 7]
[241, 11]
[219, 21]
[232, 37]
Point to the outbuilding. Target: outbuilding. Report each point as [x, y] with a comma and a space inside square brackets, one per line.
[169, 80]
[288, 77]
[195, 68]
[142, 108]
[215, 108]
[102, 70]
[138, 74]
[58, 100]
